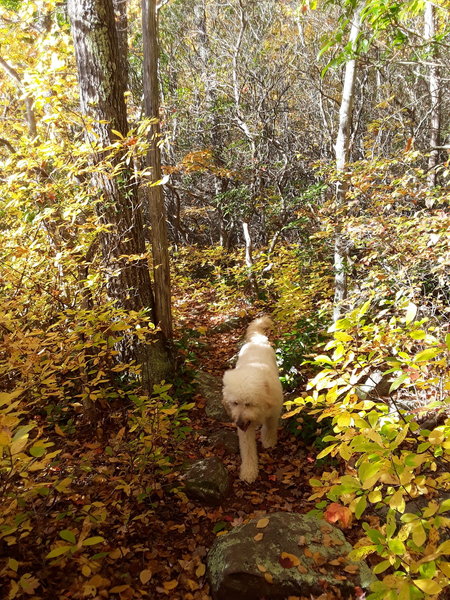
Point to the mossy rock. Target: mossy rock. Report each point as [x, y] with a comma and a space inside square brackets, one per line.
[292, 555]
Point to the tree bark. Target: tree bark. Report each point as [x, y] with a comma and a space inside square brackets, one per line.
[154, 193]
[120, 11]
[102, 84]
[342, 156]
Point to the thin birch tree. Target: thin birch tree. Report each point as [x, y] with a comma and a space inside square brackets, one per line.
[342, 150]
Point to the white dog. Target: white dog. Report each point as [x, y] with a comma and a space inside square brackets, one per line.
[253, 396]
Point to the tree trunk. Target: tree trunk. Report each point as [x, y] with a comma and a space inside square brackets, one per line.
[154, 193]
[342, 156]
[434, 88]
[120, 11]
[249, 259]
[30, 116]
[102, 84]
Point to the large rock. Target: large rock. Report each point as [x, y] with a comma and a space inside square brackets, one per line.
[210, 387]
[207, 481]
[291, 555]
[226, 440]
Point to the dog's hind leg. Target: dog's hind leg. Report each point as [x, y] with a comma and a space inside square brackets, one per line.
[249, 455]
[269, 432]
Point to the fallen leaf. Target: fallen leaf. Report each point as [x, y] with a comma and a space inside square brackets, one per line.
[302, 569]
[268, 577]
[302, 540]
[261, 568]
[170, 585]
[200, 570]
[145, 576]
[287, 561]
[59, 431]
[118, 589]
[351, 569]
[258, 537]
[262, 523]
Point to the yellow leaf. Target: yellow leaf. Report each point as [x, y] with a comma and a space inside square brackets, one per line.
[118, 589]
[268, 577]
[262, 523]
[145, 576]
[397, 501]
[375, 496]
[428, 586]
[200, 570]
[445, 568]
[261, 568]
[419, 535]
[170, 585]
[258, 537]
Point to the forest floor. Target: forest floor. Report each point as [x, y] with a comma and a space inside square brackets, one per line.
[180, 532]
[155, 540]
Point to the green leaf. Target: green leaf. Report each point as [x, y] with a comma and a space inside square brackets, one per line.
[447, 340]
[360, 507]
[368, 473]
[428, 570]
[91, 541]
[220, 526]
[444, 506]
[37, 451]
[396, 546]
[418, 334]
[326, 451]
[68, 536]
[427, 354]
[398, 382]
[58, 551]
[381, 567]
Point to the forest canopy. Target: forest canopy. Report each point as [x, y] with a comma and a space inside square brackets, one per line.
[170, 169]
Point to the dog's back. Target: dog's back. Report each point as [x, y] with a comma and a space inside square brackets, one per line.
[257, 351]
[258, 327]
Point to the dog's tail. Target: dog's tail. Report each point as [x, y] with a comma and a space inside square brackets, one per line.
[259, 326]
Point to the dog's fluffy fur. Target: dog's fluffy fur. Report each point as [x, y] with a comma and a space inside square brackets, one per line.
[252, 395]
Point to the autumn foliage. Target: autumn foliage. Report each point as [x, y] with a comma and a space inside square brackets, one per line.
[91, 462]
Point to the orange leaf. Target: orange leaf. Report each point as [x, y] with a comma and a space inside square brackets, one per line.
[287, 561]
[200, 570]
[336, 512]
[268, 577]
[262, 523]
[261, 568]
[145, 576]
[170, 585]
[258, 537]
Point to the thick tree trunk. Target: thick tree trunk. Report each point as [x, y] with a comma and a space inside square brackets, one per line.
[342, 156]
[154, 193]
[435, 93]
[102, 84]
